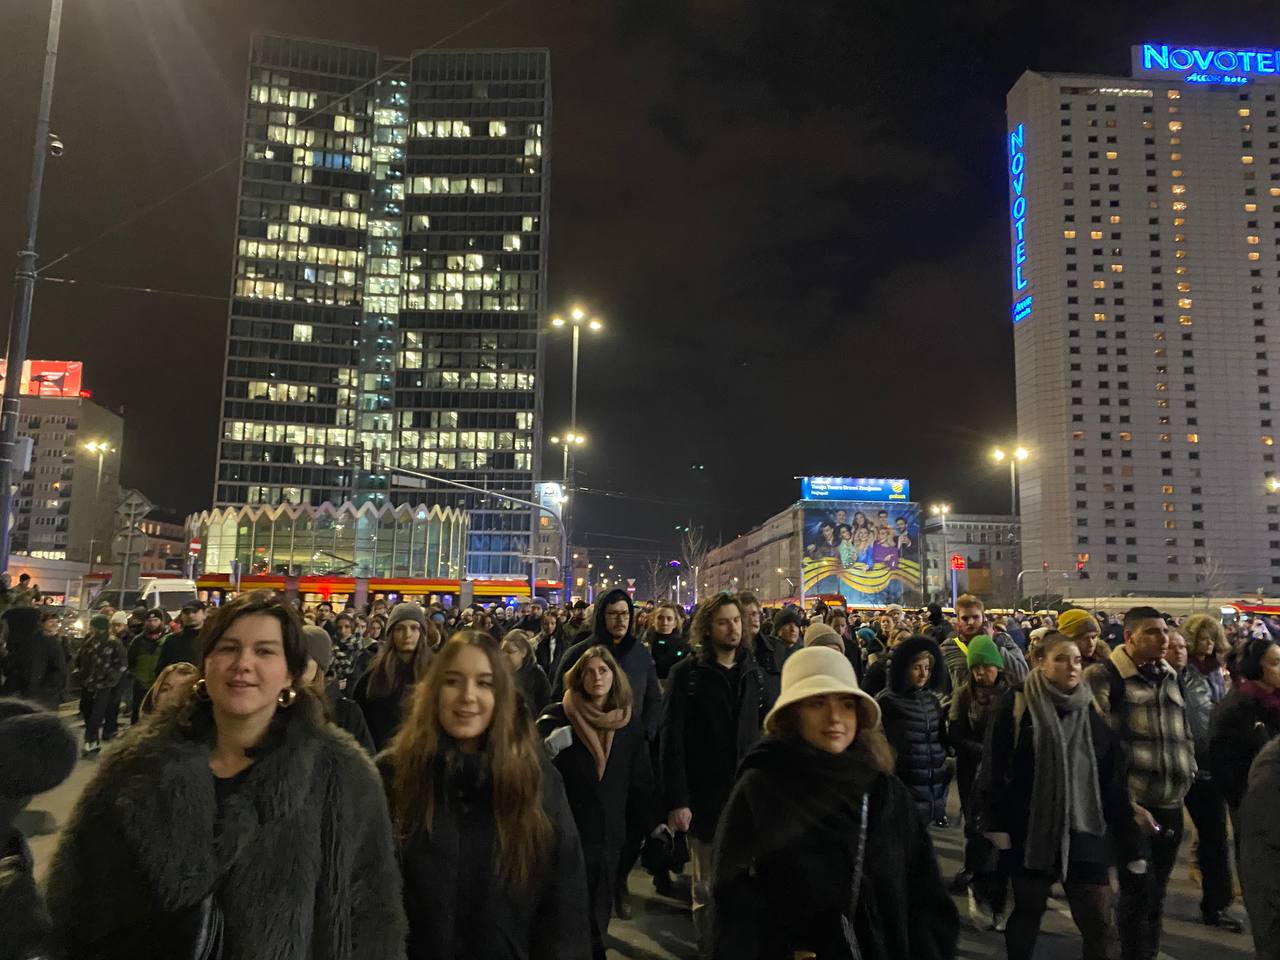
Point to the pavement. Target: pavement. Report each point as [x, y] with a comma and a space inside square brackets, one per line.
[660, 928]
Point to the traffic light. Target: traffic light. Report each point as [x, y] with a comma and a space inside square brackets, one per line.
[1081, 572]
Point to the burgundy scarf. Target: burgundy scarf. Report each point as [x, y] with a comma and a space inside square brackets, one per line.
[594, 727]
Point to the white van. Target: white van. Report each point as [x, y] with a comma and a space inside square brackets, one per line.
[167, 593]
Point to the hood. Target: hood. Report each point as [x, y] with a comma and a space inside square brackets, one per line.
[598, 632]
[900, 662]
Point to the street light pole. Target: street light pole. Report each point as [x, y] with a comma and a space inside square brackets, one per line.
[24, 288]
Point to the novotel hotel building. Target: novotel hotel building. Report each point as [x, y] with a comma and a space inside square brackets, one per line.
[1144, 224]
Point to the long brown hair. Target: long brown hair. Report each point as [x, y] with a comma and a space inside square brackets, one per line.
[524, 832]
[619, 697]
[388, 673]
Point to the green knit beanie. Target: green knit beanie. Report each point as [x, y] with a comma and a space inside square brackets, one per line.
[983, 652]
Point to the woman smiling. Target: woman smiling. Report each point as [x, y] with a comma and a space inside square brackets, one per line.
[244, 805]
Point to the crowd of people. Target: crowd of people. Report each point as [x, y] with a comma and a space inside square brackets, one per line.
[423, 781]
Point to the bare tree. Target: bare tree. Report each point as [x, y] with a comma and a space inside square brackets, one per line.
[657, 578]
[694, 549]
[1212, 577]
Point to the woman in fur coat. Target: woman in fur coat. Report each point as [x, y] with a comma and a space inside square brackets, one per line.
[244, 796]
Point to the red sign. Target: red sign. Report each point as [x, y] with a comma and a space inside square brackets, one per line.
[49, 378]
[957, 562]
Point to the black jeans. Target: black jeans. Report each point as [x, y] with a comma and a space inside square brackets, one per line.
[1208, 812]
[1090, 903]
[1141, 906]
[101, 712]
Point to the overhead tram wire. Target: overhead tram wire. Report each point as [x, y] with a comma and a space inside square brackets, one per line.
[150, 208]
[125, 288]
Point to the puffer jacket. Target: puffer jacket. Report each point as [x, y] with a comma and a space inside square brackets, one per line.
[916, 727]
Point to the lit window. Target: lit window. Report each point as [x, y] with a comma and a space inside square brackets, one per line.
[1268, 441]
[1111, 154]
[1167, 507]
[1175, 126]
[1179, 206]
[1069, 234]
[1254, 255]
[302, 332]
[1095, 234]
[1252, 240]
[1246, 159]
[1126, 435]
[1161, 386]
[1171, 524]
[1179, 188]
[1250, 208]
[1243, 112]
[1099, 317]
[1099, 284]
[1176, 173]
[1184, 320]
[1175, 157]
[1184, 303]
[1115, 218]
[1193, 438]
[1117, 268]
[1175, 94]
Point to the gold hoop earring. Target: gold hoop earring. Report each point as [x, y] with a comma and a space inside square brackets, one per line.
[201, 689]
[287, 697]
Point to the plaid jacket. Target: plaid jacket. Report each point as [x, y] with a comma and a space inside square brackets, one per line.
[1151, 723]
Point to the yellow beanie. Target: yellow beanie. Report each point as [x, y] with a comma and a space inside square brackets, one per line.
[1076, 623]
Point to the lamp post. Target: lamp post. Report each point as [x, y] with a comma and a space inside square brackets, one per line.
[101, 448]
[24, 286]
[941, 510]
[1015, 456]
[576, 319]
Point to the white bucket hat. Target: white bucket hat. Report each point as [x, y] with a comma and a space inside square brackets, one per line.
[815, 671]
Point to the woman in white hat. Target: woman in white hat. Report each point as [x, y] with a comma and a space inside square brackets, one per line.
[820, 848]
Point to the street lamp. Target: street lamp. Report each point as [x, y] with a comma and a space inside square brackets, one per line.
[1015, 456]
[101, 448]
[941, 510]
[568, 441]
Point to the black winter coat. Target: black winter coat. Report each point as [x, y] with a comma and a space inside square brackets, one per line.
[301, 853]
[549, 651]
[180, 647]
[1235, 740]
[349, 717]
[1260, 849]
[916, 727]
[667, 650]
[636, 663]
[711, 717]
[599, 806]
[784, 854]
[535, 689]
[1003, 800]
[382, 714]
[34, 666]
[546, 921]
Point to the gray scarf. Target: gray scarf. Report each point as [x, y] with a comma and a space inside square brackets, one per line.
[1064, 793]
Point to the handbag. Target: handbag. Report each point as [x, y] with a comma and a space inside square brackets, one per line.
[859, 857]
[191, 933]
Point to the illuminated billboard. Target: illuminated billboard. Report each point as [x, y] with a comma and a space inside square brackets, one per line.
[49, 378]
[1226, 66]
[866, 551]
[854, 488]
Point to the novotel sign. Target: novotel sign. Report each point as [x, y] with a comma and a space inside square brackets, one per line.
[1018, 221]
[1230, 66]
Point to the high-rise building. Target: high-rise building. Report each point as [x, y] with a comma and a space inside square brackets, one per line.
[389, 279]
[1145, 292]
[65, 504]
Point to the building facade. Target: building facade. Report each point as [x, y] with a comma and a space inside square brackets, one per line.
[65, 506]
[1145, 293]
[166, 543]
[389, 283]
[989, 545]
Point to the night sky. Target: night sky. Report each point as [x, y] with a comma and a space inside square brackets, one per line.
[790, 214]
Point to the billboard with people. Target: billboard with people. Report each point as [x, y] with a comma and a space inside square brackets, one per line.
[866, 551]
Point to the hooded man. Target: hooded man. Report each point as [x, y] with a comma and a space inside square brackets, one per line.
[182, 647]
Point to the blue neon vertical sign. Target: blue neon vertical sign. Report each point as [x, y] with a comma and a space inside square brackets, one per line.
[1018, 221]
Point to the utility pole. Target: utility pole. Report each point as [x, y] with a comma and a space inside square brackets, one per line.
[24, 288]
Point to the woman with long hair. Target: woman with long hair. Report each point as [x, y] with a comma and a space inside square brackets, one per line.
[820, 850]
[604, 760]
[1207, 649]
[534, 687]
[1054, 799]
[399, 666]
[488, 848]
[242, 806]
[173, 687]
[665, 639]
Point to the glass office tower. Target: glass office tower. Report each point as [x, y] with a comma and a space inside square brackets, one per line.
[389, 284]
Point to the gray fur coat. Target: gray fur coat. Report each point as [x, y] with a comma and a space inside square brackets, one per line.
[303, 856]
